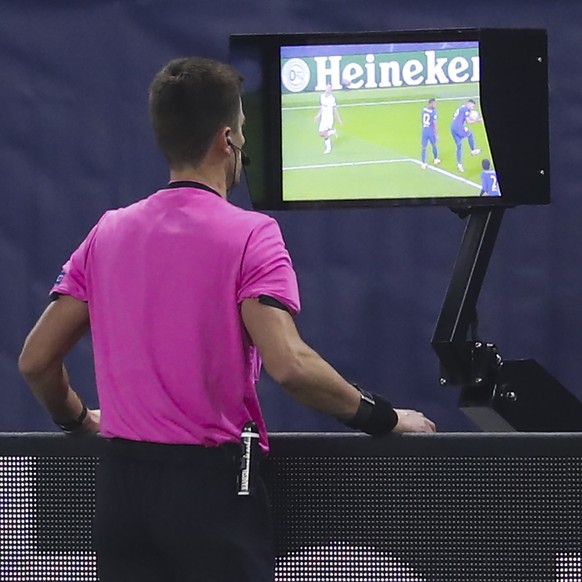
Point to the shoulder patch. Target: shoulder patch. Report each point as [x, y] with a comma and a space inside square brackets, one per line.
[60, 277]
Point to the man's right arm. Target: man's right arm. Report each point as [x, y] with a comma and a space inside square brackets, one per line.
[303, 373]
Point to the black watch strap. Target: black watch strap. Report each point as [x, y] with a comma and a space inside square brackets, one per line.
[73, 424]
[366, 408]
[375, 415]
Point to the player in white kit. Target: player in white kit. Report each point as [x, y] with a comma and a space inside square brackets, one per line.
[326, 115]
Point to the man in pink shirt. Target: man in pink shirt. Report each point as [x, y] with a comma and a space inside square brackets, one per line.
[184, 294]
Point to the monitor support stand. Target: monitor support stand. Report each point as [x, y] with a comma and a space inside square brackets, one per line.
[496, 394]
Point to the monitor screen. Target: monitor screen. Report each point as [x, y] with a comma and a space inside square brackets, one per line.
[458, 118]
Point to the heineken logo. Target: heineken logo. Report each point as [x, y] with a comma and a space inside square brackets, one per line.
[380, 70]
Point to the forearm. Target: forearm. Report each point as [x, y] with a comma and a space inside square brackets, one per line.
[51, 388]
[313, 382]
[59, 328]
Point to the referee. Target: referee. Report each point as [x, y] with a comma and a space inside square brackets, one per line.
[184, 295]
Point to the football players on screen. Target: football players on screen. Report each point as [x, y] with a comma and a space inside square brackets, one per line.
[327, 114]
[429, 132]
[489, 184]
[459, 130]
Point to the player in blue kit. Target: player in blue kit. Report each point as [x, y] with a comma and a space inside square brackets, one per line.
[464, 114]
[489, 184]
[429, 132]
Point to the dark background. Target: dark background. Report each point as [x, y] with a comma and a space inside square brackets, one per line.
[76, 141]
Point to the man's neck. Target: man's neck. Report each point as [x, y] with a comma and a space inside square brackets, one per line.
[209, 179]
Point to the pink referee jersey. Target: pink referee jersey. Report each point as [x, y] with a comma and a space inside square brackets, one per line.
[164, 279]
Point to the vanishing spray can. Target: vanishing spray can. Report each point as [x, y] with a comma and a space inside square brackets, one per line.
[249, 452]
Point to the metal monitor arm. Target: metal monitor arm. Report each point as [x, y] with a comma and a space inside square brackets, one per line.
[498, 395]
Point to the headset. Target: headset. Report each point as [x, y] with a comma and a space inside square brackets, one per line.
[245, 160]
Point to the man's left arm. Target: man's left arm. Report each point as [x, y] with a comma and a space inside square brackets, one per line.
[60, 327]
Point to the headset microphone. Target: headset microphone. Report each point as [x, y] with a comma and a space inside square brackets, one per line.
[245, 160]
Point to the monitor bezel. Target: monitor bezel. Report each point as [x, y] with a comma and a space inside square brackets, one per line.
[524, 79]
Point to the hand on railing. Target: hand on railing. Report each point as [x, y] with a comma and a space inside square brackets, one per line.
[413, 421]
[91, 423]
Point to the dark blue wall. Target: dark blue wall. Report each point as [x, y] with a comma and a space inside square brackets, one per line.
[75, 140]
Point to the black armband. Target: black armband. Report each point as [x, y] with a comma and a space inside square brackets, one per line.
[272, 302]
[375, 415]
[72, 425]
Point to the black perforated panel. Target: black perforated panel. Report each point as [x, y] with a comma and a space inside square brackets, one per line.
[345, 510]
[428, 519]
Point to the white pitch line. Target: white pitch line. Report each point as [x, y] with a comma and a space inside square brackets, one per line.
[344, 164]
[460, 98]
[367, 163]
[446, 173]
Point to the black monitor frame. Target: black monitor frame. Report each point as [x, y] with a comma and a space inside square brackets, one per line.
[514, 101]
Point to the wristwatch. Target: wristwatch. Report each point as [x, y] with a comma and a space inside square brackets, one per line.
[73, 425]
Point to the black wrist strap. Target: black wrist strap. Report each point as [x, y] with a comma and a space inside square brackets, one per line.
[375, 415]
[73, 424]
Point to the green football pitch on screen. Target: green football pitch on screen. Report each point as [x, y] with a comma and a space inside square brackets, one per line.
[376, 153]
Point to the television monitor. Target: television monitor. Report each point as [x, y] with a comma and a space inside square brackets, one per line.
[426, 117]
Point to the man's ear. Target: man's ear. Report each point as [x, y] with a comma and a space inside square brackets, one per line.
[220, 141]
[226, 142]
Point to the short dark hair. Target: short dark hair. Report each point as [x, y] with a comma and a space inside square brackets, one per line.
[431, 100]
[190, 99]
[485, 164]
[471, 101]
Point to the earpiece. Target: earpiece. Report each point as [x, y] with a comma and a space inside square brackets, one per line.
[245, 160]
